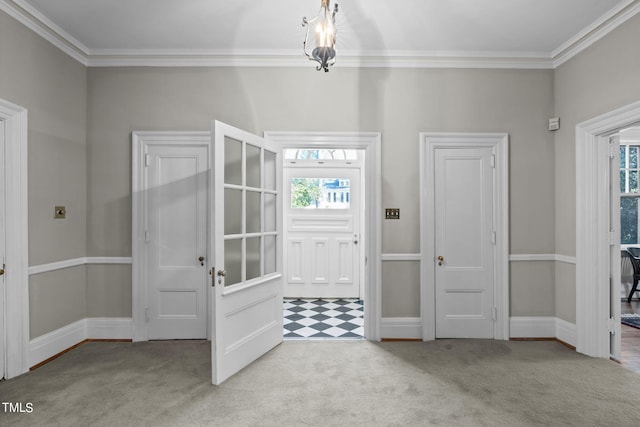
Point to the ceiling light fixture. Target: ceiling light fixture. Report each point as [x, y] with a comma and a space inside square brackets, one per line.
[324, 48]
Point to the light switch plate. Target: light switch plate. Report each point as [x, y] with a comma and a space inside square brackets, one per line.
[392, 213]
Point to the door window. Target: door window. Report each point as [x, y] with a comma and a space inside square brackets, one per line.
[320, 193]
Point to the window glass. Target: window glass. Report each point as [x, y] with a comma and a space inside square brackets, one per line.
[319, 154]
[320, 193]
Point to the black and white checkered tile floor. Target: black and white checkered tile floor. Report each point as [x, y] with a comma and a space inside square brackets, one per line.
[323, 318]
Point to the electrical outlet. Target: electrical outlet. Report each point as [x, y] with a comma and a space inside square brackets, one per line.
[392, 213]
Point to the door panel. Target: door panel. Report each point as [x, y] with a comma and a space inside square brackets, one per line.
[464, 248]
[246, 267]
[177, 224]
[322, 254]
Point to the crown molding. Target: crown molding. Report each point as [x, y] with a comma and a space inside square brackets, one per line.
[596, 31]
[294, 58]
[41, 25]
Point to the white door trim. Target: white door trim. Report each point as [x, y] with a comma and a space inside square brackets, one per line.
[16, 240]
[138, 251]
[592, 227]
[370, 142]
[428, 143]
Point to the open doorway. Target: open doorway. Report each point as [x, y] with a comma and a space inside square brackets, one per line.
[323, 199]
[369, 145]
[595, 242]
[628, 169]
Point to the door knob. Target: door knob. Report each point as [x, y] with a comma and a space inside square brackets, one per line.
[1, 271]
[440, 259]
[201, 259]
[222, 273]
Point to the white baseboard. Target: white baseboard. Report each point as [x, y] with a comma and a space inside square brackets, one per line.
[54, 342]
[48, 345]
[533, 327]
[543, 327]
[401, 328]
[566, 332]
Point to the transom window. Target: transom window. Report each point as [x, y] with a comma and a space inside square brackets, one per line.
[320, 154]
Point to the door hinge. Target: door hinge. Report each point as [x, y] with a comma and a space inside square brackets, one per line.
[612, 151]
[147, 160]
[147, 236]
[493, 237]
[494, 314]
[146, 314]
[493, 161]
[612, 237]
[611, 325]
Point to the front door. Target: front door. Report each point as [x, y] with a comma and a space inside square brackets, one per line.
[322, 212]
[177, 182]
[246, 269]
[464, 242]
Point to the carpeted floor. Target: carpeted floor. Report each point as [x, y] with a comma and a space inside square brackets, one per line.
[329, 383]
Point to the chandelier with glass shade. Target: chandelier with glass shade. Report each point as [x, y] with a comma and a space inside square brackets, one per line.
[321, 47]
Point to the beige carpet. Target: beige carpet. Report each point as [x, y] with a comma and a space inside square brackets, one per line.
[329, 383]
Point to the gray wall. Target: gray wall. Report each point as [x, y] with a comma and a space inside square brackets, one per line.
[80, 155]
[52, 86]
[601, 79]
[400, 103]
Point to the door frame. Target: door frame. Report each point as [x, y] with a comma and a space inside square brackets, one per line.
[429, 142]
[593, 201]
[371, 186]
[140, 140]
[15, 302]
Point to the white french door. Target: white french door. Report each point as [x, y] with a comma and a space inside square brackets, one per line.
[246, 269]
[176, 240]
[465, 236]
[322, 227]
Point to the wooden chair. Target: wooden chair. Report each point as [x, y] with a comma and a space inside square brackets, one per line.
[634, 257]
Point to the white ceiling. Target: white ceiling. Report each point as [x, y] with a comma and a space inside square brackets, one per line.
[532, 33]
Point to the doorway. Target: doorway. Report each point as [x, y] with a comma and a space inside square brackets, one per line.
[464, 240]
[369, 244]
[625, 200]
[593, 232]
[322, 210]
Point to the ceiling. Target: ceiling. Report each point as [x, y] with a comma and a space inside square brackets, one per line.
[495, 33]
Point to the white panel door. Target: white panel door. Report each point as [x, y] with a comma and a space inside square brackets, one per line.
[464, 246]
[177, 181]
[3, 363]
[322, 211]
[246, 265]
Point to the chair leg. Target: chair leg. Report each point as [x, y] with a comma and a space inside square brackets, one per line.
[633, 289]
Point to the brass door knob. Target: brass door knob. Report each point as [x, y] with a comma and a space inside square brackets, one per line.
[1, 271]
[201, 259]
[440, 259]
